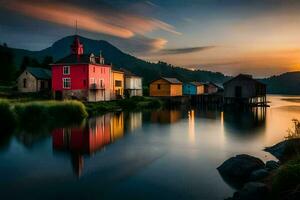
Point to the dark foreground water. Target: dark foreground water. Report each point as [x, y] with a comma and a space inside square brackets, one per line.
[169, 154]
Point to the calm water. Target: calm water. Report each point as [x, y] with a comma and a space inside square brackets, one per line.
[169, 154]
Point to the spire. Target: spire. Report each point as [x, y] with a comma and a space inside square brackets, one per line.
[101, 59]
[76, 29]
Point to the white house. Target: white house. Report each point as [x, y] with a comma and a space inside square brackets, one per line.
[133, 84]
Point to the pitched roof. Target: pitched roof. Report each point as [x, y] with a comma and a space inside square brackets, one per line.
[39, 73]
[128, 73]
[172, 80]
[243, 76]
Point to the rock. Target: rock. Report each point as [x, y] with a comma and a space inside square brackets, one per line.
[240, 167]
[252, 191]
[285, 150]
[272, 165]
[259, 174]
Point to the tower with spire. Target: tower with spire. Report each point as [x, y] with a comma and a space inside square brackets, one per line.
[76, 47]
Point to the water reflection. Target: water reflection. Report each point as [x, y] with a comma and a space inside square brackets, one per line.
[244, 121]
[93, 136]
[166, 116]
[191, 117]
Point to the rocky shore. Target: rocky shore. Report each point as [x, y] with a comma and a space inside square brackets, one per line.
[255, 180]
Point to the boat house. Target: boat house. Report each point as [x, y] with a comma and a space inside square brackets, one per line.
[244, 89]
[34, 79]
[165, 87]
[193, 88]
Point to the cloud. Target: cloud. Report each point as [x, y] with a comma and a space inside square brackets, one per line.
[185, 50]
[107, 20]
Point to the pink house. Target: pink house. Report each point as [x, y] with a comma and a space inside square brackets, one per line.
[81, 76]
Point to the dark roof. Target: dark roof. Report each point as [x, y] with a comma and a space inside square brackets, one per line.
[245, 77]
[118, 71]
[197, 83]
[79, 59]
[172, 80]
[128, 73]
[39, 73]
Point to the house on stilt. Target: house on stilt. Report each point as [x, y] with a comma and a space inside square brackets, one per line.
[243, 89]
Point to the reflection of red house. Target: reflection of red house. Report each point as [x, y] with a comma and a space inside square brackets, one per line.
[87, 140]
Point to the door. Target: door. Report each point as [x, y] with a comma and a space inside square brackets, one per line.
[238, 91]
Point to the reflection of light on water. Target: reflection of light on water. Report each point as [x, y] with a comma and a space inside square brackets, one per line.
[222, 137]
[191, 116]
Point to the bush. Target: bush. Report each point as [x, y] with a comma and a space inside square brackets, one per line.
[286, 181]
[48, 112]
[7, 117]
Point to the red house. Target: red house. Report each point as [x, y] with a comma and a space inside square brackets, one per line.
[81, 76]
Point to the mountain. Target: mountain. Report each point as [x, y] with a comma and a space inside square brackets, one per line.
[287, 83]
[119, 59]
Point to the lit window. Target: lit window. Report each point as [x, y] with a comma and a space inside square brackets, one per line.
[66, 83]
[118, 83]
[66, 70]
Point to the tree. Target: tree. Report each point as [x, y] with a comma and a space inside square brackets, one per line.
[7, 67]
[46, 62]
[25, 63]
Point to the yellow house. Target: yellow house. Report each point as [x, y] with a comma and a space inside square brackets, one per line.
[164, 87]
[117, 84]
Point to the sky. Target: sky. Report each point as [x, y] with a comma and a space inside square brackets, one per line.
[258, 37]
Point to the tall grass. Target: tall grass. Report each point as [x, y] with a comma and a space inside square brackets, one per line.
[50, 112]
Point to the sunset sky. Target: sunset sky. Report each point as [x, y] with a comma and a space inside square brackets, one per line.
[261, 37]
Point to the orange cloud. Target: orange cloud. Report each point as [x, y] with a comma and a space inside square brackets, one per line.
[122, 25]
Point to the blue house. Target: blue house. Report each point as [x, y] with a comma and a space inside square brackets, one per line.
[193, 88]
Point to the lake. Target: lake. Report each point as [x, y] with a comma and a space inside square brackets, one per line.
[166, 154]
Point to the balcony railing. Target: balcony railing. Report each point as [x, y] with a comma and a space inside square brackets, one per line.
[95, 86]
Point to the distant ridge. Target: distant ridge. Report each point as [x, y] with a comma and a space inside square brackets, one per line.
[287, 83]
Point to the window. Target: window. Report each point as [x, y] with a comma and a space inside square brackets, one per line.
[84, 83]
[94, 69]
[118, 83]
[66, 70]
[101, 83]
[24, 83]
[92, 80]
[158, 86]
[66, 83]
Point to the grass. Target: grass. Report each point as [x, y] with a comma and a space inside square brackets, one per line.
[286, 181]
[47, 112]
[40, 113]
[133, 103]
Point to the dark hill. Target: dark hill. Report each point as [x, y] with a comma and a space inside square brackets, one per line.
[119, 59]
[287, 83]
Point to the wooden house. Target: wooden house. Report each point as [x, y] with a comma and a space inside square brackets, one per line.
[165, 87]
[133, 84]
[81, 76]
[34, 79]
[212, 88]
[243, 88]
[193, 88]
[117, 84]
